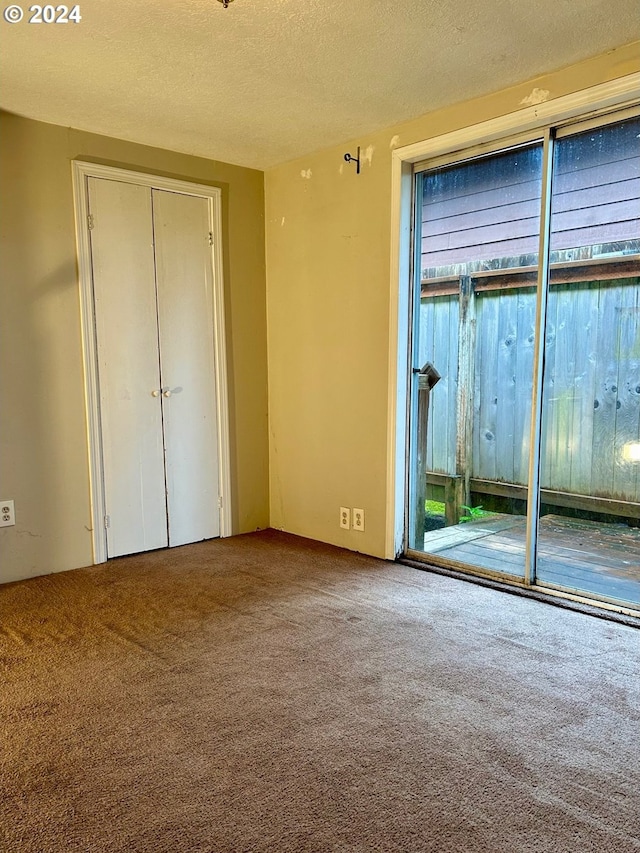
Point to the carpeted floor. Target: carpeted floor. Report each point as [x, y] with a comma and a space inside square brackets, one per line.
[267, 693]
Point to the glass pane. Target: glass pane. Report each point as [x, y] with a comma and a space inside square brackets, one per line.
[474, 343]
[589, 537]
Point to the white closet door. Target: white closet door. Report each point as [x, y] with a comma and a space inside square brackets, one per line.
[185, 316]
[128, 368]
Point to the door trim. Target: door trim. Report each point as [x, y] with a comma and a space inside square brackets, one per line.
[576, 106]
[81, 171]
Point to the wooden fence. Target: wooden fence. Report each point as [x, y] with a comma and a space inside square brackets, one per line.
[591, 389]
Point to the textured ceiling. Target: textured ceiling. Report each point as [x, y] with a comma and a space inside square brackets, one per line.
[266, 81]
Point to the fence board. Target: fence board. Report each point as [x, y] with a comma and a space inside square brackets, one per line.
[506, 392]
[548, 423]
[559, 399]
[487, 308]
[625, 473]
[425, 353]
[454, 347]
[606, 372]
[526, 318]
[592, 363]
[438, 337]
[584, 301]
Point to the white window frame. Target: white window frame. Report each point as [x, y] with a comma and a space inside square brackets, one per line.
[614, 94]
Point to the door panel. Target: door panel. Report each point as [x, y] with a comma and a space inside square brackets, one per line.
[128, 368]
[473, 360]
[185, 316]
[591, 382]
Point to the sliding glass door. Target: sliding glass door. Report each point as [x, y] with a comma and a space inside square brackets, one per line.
[525, 392]
[589, 536]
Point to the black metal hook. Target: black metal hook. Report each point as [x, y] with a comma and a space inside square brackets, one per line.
[356, 160]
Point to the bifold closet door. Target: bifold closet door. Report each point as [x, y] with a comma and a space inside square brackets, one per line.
[128, 366]
[156, 369]
[185, 317]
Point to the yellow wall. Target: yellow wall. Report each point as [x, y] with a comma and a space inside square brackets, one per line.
[328, 286]
[43, 446]
[328, 247]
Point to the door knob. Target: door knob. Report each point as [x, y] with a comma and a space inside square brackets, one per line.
[155, 393]
[167, 393]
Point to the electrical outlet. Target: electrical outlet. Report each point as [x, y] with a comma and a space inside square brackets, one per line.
[345, 518]
[358, 519]
[7, 514]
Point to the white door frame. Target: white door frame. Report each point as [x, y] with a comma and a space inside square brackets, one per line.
[81, 171]
[617, 93]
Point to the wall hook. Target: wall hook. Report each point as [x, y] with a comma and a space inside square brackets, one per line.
[355, 160]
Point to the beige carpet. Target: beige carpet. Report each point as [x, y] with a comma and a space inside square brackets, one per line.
[266, 693]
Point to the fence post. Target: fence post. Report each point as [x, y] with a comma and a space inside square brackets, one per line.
[427, 378]
[464, 396]
[453, 499]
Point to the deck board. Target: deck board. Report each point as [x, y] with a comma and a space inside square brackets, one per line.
[449, 537]
[574, 554]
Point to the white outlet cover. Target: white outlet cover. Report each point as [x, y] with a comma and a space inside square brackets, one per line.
[345, 518]
[358, 519]
[7, 514]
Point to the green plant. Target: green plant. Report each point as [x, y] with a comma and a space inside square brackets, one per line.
[434, 508]
[473, 513]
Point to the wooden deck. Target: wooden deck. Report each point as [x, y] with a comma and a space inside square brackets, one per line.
[579, 556]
